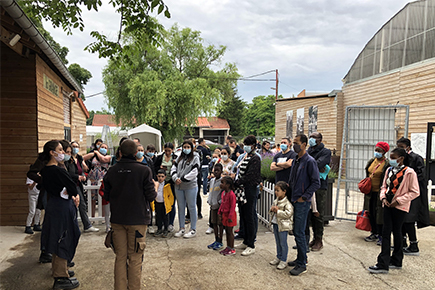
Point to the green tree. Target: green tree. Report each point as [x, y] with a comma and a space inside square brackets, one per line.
[233, 109]
[135, 19]
[260, 116]
[82, 75]
[168, 88]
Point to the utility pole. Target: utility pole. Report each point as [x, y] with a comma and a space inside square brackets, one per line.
[276, 85]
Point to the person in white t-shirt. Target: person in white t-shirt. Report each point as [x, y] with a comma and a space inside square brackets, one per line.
[34, 213]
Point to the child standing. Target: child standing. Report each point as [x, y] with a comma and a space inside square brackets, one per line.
[163, 204]
[281, 214]
[33, 211]
[227, 213]
[214, 200]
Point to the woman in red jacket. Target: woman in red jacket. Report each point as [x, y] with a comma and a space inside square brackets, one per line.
[399, 188]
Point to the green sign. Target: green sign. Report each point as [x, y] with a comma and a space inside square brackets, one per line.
[50, 85]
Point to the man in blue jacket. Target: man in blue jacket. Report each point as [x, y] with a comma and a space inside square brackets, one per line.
[304, 181]
[322, 155]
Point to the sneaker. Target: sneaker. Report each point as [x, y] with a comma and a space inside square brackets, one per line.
[171, 228]
[224, 251]
[371, 238]
[37, 228]
[70, 264]
[281, 265]
[412, 250]
[209, 231]
[392, 266]
[151, 230]
[212, 245]
[293, 263]
[158, 233]
[165, 234]
[376, 270]
[230, 252]
[65, 283]
[28, 230]
[248, 251]
[275, 262]
[297, 270]
[241, 246]
[190, 234]
[180, 233]
[379, 242]
[45, 257]
[91, 230]
[218, 246]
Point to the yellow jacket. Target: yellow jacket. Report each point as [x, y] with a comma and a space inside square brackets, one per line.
[168, 198]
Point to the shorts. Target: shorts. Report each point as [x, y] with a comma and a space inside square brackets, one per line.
[214, 216]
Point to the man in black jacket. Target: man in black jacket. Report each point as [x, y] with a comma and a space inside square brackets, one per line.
[129, 188]
[322, 155]
[204, 165]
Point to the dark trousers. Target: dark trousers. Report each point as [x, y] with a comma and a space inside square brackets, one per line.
[173, 211]
[409, 228]
[83, 210]
[373, 210]
[317, 222]
[241, 232]
[393, 221]
[249, 213]
[162, 219]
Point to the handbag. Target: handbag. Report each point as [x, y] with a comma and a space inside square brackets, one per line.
[108, 241]
[365, 185]
[363, 221]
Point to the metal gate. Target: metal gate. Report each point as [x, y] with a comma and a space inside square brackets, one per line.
[364, 126]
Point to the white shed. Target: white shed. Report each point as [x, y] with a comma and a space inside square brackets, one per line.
[147, 135]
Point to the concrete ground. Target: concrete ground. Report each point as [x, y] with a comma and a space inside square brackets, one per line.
[187, 264]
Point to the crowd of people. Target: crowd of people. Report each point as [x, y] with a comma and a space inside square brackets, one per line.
[135, 182]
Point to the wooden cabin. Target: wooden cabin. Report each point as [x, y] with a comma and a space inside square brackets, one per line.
[39, 102]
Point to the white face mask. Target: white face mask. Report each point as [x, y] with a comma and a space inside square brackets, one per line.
[224, 157]
[59, 157]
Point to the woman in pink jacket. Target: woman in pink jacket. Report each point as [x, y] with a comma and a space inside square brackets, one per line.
[399, 188]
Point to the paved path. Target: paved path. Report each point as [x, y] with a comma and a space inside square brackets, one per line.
[188, 264]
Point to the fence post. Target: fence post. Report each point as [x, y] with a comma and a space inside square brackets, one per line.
[429, 191]
[89, 202]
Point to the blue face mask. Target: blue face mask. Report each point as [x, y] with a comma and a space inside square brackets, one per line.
[150, 154]
[75, 151]
[103, 151]
[139, 154]
[98, 146]
[394, 163]
[214, 160]
[312, 142]
[283, 147]
[378, 155]
[66, 157]
[247, 148]
[187, 151]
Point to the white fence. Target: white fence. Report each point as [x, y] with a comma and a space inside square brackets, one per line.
[430, 186]
[267, 196]
[99, 207]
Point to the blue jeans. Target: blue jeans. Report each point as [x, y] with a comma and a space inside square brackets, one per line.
[204, 172]
[281, 243]
[301, 210]
[187, 196]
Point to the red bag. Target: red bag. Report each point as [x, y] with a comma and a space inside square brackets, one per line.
[362, 221]
[365, 185]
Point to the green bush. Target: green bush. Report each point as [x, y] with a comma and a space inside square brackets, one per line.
[266, 173]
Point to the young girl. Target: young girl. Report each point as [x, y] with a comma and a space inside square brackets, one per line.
[281, 214]
[227, 213]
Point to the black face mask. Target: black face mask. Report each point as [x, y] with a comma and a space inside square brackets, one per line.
[297, 148]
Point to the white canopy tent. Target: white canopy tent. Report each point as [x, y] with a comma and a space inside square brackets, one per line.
[147, 135]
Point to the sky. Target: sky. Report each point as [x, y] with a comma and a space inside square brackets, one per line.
[312, 43]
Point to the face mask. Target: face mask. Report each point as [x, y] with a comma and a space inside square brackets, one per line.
[214, 160]
[75, 151]
[394, 163]
[150, 154]
[378, 155]
[59, 157]
[139, 154]
[224, 157]
[283, 147]
[312, 142]
[187, 151]
[98, 146]
[297, 148]
[247, 148]
[66, 157]
[103, 151]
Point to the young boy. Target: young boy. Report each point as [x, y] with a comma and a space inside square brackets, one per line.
[214, 200]
[163, 204]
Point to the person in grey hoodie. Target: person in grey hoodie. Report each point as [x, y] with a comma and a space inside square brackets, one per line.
[184, 173]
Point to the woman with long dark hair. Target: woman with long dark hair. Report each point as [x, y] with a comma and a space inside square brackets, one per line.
[60, 231]
[399, 188]
[184, 173]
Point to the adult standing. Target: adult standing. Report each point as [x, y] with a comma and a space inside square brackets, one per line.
[419, 210]
[304, 181]
[399, 188]
[376, 168]
[75, 167]
[129, 187]
[265, 148]
[237, 151]
[282, 161]
[205, 163]
[184, 173]
[60, 231]
[249, 178]
[322, 155]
